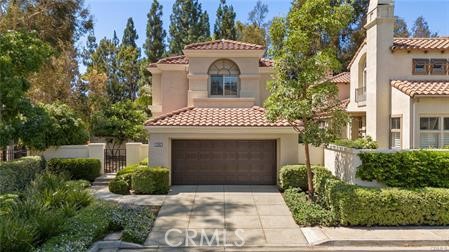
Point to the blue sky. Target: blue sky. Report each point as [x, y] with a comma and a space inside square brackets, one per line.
[110, 15]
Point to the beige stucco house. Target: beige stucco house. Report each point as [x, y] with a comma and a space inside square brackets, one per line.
[209, 126]
[399, 87]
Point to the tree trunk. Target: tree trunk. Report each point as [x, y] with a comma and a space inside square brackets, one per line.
[309, 171]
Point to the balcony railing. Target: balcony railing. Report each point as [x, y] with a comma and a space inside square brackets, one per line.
[360, 94]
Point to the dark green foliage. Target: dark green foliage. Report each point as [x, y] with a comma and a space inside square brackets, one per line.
[154, 44]
[144, 162]
[119, 122]
[359, 143]
[77, 168]
[355, 205]
[119, 186]
[224, 27]
[421, 29]
[400, 28]
[16, 175]
[89, 225]
[99, 219]
[40, 212]
[130, 34]
[146, 180]
[406, 168]
[188, 24]
[293, 176]
[306, 212]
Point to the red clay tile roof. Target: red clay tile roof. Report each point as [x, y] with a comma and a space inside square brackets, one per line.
[439, 43]
[344, 77]
[182, 59]
[223, 44]
[216, 117]
[422, 88]
[263, 62]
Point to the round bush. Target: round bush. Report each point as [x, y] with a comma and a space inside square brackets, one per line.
[78, 168]
[119, 186]
[127, 170]
[293, 176]
[146, 180]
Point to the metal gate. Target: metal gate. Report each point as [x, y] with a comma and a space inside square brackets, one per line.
[9, 154]
[114, 160]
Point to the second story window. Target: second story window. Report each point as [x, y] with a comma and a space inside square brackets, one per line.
[224, 78]
[438, 66]
[420, 66]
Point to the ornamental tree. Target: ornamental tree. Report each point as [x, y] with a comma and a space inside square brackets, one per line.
[304, 50]
[119, 122]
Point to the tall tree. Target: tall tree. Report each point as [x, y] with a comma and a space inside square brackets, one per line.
[187, 25]
[400, 28]
[21, 54]
[298, 93]
[60, 24]
[258, 14]
[130, 34]
[421, 29]
[224, 27]
[154, 46]
[256, 31]
[128, 65]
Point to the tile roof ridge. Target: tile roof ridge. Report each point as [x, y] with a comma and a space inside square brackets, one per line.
[172, 57]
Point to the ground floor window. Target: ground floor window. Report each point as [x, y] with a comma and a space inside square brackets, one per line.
[395, 133]
[434, 131]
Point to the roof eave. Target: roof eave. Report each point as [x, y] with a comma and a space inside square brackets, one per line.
[224, 53]
[218, 130]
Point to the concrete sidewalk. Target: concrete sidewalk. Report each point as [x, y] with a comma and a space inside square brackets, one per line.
[378, 236]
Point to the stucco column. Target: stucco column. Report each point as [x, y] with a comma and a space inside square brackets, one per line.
[133, 153]
[96, 150]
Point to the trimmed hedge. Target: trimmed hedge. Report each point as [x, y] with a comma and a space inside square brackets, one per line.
[410, 169]
[146, 180]
[294, 176]
[119, 186]
[17, 174]
[304, 212]
[77, 168]
[359, 143]
[359, 206]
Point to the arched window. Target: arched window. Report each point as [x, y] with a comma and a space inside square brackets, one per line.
[224, 78]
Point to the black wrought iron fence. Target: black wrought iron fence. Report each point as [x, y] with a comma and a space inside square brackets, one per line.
[114, 160]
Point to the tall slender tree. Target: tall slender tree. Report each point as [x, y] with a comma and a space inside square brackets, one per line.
[224, 27]
[187, 25]
[130, 34]
[400, 28]
[154, 46]
[298, 93]
[256, 30]
[421, 29]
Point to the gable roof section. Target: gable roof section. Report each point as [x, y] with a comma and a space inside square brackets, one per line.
[424, 44]
[422, 88]
[223, 44]
[343, 78]
[216, 117]
[184, 60]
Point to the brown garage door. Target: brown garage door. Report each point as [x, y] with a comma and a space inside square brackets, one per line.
[212, 162]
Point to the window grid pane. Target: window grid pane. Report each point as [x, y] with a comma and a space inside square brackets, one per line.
[429, 123]
[446, 123]
[396, 140]
[429, 140]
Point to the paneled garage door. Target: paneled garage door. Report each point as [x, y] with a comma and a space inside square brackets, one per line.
[212, 162]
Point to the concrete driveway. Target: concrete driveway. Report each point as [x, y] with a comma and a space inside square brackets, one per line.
[224, 216]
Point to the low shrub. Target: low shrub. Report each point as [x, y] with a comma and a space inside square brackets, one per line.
[127, 170]
[359, 143]
[17, 174]
[119, 186]
[295, 176]
[423, 168]
[16, 235]
[359, 206]
[144, 162]
[136, 223]
[154, 180]
[305, 212]
[77, 168]
[89, 225]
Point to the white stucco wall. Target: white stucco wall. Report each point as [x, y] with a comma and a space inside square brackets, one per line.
[401, 106]
[316, 155]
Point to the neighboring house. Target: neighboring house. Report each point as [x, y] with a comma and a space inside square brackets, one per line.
[399, 90]
[209, 126]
